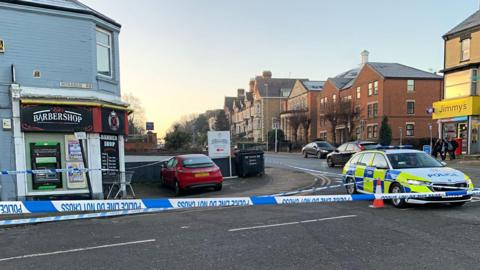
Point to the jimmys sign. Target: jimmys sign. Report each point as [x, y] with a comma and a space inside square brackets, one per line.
[456, 107]
[51, 118]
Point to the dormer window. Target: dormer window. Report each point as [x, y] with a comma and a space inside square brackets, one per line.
[104, 52]
[465, 47]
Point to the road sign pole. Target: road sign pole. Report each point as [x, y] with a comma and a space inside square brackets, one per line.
[400, 136]
[431, 137]
[276, 142]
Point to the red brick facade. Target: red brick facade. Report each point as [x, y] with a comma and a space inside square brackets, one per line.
[392, 97]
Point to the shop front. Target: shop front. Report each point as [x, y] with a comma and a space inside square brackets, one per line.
[48, 133]
[460, 119]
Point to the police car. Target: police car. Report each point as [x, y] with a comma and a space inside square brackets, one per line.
[405, 171]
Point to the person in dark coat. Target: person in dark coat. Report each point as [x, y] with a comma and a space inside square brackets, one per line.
[443, 149]
[437, 146]
[452, 146]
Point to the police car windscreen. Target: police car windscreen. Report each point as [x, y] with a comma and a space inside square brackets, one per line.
[412, 160]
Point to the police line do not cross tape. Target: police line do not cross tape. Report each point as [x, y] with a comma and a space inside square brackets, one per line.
[26, 207]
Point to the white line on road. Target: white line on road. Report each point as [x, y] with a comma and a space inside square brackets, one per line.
[289, 223]
[315, 172]
[76, 250]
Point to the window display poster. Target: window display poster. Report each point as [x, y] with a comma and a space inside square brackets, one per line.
[109, 157]
[74, 152]
[76, 179]
[74, 160]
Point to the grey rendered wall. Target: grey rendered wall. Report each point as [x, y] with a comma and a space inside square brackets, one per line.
[61, 47]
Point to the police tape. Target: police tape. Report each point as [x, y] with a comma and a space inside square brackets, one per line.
[29, 207]
[45, 171]
[316, 189]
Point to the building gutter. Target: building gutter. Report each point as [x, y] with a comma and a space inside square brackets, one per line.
[80, 11]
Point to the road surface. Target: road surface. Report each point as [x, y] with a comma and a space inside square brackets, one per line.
[346, 235]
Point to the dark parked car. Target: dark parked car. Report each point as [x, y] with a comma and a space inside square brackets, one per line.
[320, 149]
[344, 152]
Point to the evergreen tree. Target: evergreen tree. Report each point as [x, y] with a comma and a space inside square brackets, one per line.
[385, 132]
[221, 122]
[177, 139]
[280, 136]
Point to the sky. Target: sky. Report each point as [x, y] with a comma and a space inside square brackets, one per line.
[184, 56]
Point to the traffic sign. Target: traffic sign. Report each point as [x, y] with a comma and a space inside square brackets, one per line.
[427, 149]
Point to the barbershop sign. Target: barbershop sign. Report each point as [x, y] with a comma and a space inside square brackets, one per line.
[53, 118]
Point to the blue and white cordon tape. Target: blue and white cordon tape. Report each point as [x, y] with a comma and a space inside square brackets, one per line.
[73, 170]
[27, 207]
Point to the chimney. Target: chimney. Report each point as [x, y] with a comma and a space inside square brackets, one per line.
[267, 74]
[252, 84]
[240, 93]
[364, 55]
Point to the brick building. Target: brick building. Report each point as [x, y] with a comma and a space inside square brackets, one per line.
[374, 90]
[250, 113]
[298, 118]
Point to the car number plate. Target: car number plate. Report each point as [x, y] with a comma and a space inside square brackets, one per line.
[452, 196]
[201, 174]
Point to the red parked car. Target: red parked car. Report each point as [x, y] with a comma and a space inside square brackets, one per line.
[191, 171]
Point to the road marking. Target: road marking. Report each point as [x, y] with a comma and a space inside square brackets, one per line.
[289, 223]
[76, 250]
[475, 199]
[316, 171]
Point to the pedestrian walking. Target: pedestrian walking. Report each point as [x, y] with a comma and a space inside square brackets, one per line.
[437, 147]
[452, 147]
[443, 149]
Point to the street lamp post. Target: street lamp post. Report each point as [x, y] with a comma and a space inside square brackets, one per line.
[400, 136]
[431, 136]
[265, 119]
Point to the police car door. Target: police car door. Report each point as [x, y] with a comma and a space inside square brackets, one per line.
[368, 172]
[381, 167]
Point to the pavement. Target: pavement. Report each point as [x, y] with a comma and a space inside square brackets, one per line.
[347, 235]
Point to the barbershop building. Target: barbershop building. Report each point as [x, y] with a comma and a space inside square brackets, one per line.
[458, 114]
[59, 75]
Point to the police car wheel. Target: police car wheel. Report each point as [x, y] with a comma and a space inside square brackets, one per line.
[399, 203]
[305, 155]
[352, 188]
[319, 155]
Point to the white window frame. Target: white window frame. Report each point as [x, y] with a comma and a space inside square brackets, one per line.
[373, 114]
[413, 130]
[375, 87]
[359, 95]
[412, 89]
[110, 50]
[464, 51]
[406, 103]
[370, 89]
[370, 133]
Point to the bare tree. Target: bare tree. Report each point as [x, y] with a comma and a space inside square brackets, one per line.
[340, 112]
[137, 119]
[297, 119]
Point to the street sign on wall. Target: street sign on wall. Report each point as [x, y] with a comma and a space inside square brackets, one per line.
[218, 144]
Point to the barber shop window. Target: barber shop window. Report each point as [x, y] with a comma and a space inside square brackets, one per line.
[410, 129]
[104, 52]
